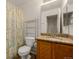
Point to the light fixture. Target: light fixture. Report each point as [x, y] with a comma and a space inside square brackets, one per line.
[48, 2]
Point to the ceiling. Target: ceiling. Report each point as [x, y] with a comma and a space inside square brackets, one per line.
[18, 2]
[21, 2]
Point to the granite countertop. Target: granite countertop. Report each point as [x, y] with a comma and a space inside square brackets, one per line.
[56, 39]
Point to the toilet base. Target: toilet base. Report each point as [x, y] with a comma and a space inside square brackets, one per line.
[29, 57]
[26, 57]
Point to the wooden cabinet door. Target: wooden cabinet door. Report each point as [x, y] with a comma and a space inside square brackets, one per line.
[62, 51]
[43, 50]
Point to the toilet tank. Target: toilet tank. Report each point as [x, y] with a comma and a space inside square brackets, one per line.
[29, 41]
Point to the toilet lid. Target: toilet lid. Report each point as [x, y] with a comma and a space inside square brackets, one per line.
[24, 49]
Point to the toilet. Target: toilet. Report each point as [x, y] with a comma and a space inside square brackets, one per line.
[24, 51]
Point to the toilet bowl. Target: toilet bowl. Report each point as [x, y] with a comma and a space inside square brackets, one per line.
[24, 51]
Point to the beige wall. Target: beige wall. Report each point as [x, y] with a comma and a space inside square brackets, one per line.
[31, 11]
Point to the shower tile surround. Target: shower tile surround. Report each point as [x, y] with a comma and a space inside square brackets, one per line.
[30, 28]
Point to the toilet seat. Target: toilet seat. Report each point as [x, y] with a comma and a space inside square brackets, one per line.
[24, 50]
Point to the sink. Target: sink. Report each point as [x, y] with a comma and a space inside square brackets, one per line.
[58, 36]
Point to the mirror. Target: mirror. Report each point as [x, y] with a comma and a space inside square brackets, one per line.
[68, 18]
[52, 24]
[57, 20]
[68, 22]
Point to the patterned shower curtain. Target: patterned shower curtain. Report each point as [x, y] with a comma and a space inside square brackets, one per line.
[14, 29]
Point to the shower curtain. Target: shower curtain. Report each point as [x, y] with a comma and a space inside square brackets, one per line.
[14, 30]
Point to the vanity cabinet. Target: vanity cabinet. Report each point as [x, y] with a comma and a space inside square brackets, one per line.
[43, 50]
[52, 50]
[62, 51]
